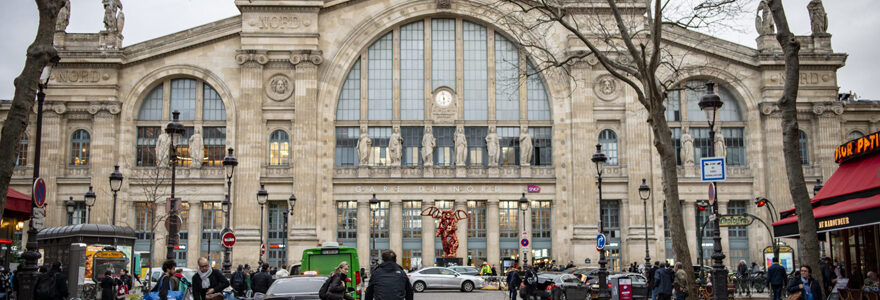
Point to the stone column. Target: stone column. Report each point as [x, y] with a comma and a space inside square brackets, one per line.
[777, 182]
[363, 233]
[493, 244]
[303, 229]
[827, 137]
[194, 243]
[583, 188]
[396, 227]
[461, 234]
[427, 236]
[102, 158]
[160, 234]
[249, 138]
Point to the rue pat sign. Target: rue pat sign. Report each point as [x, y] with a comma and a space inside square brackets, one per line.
[713, 169]
[727, 221]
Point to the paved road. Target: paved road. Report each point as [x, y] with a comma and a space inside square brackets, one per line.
[456, 295]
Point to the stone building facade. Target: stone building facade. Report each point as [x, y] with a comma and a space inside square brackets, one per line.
[293, 85]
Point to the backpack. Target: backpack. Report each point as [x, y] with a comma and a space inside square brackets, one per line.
[531, 278]
[322, 293]
[46, 287]
[238, 281]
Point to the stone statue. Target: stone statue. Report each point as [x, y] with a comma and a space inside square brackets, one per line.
[120, 19]
[196, 150]
[428, 144]
[163, 147]
[492, 147]
[687, 149]
[63, 17]
[764, 19]
[460, 147]
[395, 146]
[110, 15]
[525, 147]
[818, 18]
[365, 144]
[720, 148]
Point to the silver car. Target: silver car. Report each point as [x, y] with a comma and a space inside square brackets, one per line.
[443, 278]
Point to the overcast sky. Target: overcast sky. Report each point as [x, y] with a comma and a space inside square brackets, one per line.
[855, 30]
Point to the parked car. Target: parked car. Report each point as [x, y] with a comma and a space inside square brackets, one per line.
[584, 274]
[155, 273]
[300, 287]
[557, 286]
[638, 283]
[466, 270]
[444, 278]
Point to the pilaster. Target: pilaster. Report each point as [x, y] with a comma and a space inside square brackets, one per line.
[363, 235]
[427, 236]
[101, 160]
[303, 231]
[194, 242]
[461, 234]
[493, 244]
[249, 149]
[828, 135]
[396, 227]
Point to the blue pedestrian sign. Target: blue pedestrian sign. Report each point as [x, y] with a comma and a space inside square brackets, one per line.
[600, 242]
[713, 169]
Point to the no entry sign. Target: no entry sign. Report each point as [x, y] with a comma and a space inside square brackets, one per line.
[262, 249]
[228, 239]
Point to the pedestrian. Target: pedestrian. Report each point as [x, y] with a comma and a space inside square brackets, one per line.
[272, 271]
[776, 279]
[663, 278]
[650, 277]
[109, 285]
[681, 283]
[513, 281]
[239, 282]
[829, 278]
[167, 282]
[388, 280]
[248, 272]
[531, 282]
[207, 281]
[282, 272]
[494, 272]
[261, 282]
[334, 287]
[742, 275]
[872, 283]
[806, 285]
[569, 265]
[485, 270]
[52, 285]
[126, 279]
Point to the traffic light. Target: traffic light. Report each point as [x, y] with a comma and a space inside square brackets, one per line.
[760, 202]
[702, 205]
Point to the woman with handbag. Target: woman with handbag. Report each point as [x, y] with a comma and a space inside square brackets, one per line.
[804, 286]
[208, 283]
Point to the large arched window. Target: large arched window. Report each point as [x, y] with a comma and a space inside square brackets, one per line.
[805, 147]
[420, 58]
[608, 140]
[279, 148]
[80, 143]
[201, 111]
[730, 122]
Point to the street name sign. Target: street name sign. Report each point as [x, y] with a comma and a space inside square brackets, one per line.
[727, 221]
[713, 169]
[39, 218]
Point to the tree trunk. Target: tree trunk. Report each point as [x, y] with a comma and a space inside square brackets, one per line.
[791, 146]
[39, 53]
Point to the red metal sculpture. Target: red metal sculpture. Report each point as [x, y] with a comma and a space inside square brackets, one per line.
[447, 227]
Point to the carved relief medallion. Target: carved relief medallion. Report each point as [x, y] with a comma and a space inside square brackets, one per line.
[279, 87]
[606, 87]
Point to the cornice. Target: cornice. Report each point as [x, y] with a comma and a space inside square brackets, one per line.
[183, 40]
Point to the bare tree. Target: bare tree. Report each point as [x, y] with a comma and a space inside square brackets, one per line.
[631, 49]
[790, 139]
[39, 54]
[152, 184]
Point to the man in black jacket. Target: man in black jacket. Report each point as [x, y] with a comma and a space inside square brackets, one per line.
[388, 280]
[261, 281]
[239, 282]
[207, 280]
[776, 279]
[513, 281]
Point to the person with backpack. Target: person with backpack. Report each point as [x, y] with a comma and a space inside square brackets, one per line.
[51, 285]
[334, 287]
[513, 281]
[388, 280]
[167, 282]
[531, 282]
[239, 282]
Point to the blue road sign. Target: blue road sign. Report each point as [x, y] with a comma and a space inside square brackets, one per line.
[524, 242]
[600, 241]
[39, 192]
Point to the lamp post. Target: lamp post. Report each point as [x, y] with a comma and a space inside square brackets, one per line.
[174, 129]
[645, 193]
[262, 197]
[374, 261]
[229, 163]
[115, 185]
[70, 206]
[29, 267]
[291, 203]
[599, 159]
[710, 104]
[523, 207]
[90, 201]
[774, 216]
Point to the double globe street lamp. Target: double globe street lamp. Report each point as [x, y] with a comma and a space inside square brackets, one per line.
[229, 163]
[599, 159]
[523, 207]
[174, 129]
[710, 103]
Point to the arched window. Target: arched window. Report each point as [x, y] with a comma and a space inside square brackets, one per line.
[683, 110]
[418, 58]
[805, 147]
[79, 148]
[201, 110]
[279, 148]
[608, 140]
[855, 134]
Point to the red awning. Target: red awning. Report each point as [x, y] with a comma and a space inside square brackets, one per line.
[18, 205]
[853, 177]
[843, 214]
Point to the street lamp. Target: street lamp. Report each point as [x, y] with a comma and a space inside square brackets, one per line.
[599, 159]
[229, 163]
[115, 185]
[174, 129]
[523, 207]
[644, 193]
[262, 197]
[70, 205]
[90, 201]
[373, 260]
[29, 267]
[764, 202]
[710, 104]
[291, 203]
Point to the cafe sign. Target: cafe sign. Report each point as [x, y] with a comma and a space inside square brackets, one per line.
[858, 148]
[727, 221]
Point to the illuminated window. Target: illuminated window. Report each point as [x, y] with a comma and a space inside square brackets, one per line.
[444, 154]
[79, 148]
[508, 140]
[380, 137]
[541, 225]
[412, 145]
[509, 218]
[346, 221]
[476, 142]
[279, 148]
[412, 219]
[380, 220]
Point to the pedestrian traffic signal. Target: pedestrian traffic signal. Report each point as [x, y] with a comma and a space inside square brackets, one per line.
[760, 202]
[702, 205]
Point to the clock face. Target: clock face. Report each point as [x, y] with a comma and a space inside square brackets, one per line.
[443, 98]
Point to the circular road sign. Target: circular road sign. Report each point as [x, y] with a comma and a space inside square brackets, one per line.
[262, 249]
[39, 192]
[228, 239]
[711, 193]
[524, 242]
[600, 241]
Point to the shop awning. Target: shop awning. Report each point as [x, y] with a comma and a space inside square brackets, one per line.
[18, 205]
[844, 214]
[852, 178]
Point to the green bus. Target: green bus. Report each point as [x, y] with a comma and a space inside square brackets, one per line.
[324, 259]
